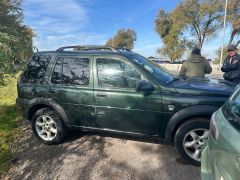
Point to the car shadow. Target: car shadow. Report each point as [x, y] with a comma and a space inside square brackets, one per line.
[89, 155]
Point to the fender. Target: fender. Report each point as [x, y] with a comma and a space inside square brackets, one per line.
[51, 103]
[198, 110]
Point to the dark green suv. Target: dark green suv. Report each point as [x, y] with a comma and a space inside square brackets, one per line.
[98, 88]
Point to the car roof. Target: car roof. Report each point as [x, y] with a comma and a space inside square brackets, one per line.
[90, 52]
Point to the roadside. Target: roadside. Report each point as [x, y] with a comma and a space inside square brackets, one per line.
[9, 123]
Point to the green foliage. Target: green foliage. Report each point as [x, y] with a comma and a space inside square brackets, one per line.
[174, 46]
[201, 18]
[9, 120]
[123, 39]
[15, 38]
[233, 18]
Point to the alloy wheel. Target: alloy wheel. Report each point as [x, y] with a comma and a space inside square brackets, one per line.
[194, 142]
[46, 128]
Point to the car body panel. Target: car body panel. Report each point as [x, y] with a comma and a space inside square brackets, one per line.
[76, 100]
[219, 159]
[126, 110]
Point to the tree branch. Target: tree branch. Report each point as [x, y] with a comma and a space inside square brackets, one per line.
[198, 32]
[237, 43]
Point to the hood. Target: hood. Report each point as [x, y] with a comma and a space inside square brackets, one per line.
[195, 58]
[204, 86]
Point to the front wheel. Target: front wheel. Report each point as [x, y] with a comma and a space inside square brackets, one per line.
[191, 138]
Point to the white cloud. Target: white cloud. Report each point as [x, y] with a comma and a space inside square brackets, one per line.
[58, 23]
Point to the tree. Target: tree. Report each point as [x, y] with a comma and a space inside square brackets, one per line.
[174, 45]
[123, 39]
[15, 37]
[199, 18]
[233, 18]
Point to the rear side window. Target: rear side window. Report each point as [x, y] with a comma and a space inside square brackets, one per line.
[36, 69]
[71, 71]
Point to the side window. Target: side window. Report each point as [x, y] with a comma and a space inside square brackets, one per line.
[71, 71]
[115, 73]
[36, 69]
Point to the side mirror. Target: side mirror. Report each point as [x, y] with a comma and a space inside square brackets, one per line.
[145, 86]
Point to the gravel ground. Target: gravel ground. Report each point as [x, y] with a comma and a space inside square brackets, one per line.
[94, 157]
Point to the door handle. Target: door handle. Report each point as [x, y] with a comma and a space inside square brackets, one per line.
[101, 94]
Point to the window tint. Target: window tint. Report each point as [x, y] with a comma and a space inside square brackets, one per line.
[71, 71]
[115, 73]
[36, 69]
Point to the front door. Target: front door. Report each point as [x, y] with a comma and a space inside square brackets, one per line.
[118, 105]
[72, 88]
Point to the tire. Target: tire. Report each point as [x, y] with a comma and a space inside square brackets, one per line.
[48, 126]
[190, 139]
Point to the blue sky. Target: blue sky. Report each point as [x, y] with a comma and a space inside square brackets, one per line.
[59, 23]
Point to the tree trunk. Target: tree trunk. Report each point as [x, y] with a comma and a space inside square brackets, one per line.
[232, 36]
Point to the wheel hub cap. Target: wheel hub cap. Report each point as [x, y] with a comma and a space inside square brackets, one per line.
[46, 127]
[194, 142]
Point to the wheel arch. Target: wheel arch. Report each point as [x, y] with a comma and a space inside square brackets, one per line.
[39, 103]
[183, 115]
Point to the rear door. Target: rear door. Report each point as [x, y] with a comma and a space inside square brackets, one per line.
[72, 88]
[118, 105]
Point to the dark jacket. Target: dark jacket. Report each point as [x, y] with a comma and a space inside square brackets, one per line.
[195, 66]
[231, 71]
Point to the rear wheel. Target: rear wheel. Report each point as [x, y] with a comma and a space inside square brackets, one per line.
[48, 126]
[191, 138]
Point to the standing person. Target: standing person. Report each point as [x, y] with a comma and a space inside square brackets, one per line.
[231, 65]
[195, 65]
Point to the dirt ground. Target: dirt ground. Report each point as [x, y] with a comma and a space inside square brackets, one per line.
[94, 157]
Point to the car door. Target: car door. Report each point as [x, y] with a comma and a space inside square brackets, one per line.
[72, 88]
[118, 105]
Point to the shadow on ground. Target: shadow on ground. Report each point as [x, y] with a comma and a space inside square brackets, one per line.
[89, 156]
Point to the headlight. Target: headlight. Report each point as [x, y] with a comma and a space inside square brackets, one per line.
[214, 128]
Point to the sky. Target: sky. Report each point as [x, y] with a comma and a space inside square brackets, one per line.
[59, 23]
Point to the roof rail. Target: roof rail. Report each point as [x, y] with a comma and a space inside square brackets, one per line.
[88, 47]
[124, 49]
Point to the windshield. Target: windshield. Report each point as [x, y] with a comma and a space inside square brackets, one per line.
[157, 71]
[232, 109]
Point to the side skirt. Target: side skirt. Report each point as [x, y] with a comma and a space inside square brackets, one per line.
[120, 134]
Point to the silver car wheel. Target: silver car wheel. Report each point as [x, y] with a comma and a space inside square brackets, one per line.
[46, 128]
[194, 142]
